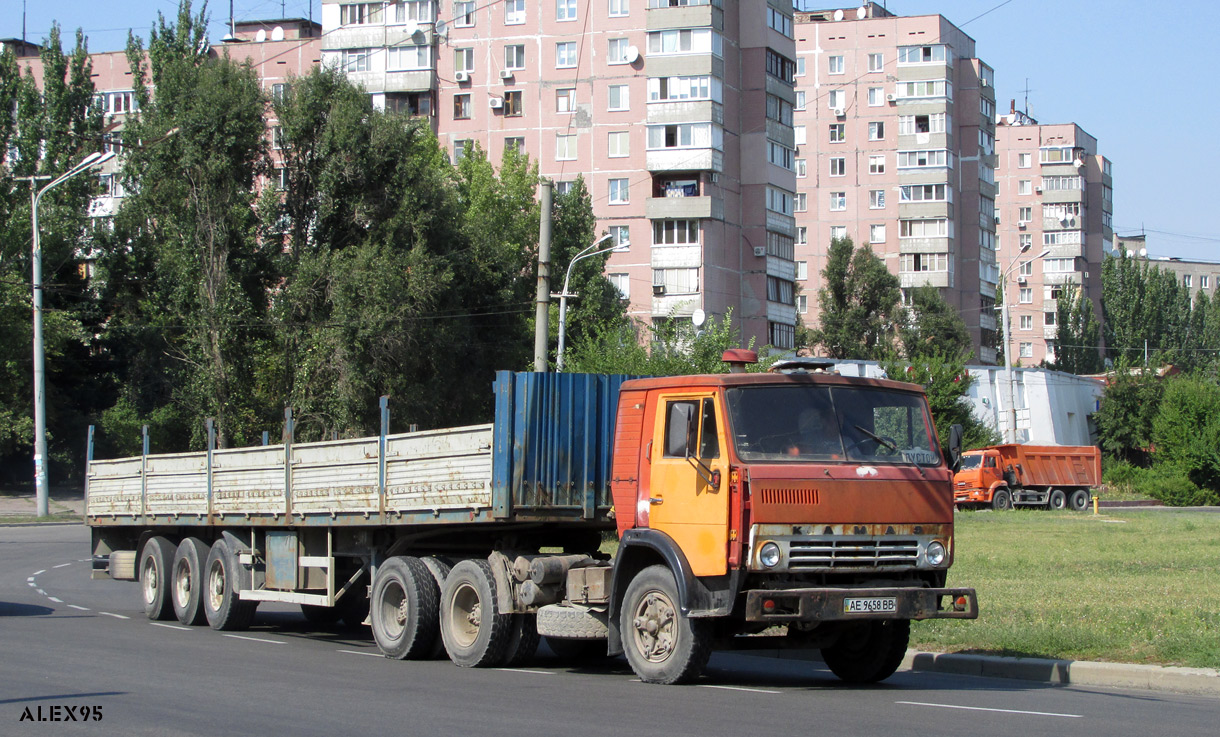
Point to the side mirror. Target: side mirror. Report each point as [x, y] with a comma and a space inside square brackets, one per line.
[955, 448]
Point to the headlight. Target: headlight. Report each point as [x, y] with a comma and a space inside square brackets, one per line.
[769, 555]
[935, 553]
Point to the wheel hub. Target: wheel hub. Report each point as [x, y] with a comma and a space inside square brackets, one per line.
[654, 627]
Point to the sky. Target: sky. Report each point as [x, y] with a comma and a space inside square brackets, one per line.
[1129, 73]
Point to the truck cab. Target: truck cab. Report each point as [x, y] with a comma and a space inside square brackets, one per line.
[979, 475]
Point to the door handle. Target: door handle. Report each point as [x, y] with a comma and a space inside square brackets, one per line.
[656, 500]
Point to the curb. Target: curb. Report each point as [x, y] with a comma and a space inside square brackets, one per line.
[1171, 679]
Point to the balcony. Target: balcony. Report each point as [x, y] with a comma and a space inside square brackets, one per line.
[1067, 277]
[662, 18]
[987, 321]
[924, 245]
[675, 305]
[912, 279]
[684, 208]
[987, 355]
[1063, 195]
[1049, 332]
[684, 159]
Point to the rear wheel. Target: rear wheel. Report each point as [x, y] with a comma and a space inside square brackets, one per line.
[1001, 500]
[869, 651]
[156, 560]
[187, 588]
[476, 634]
[662, 644]
[524, 641]
[1057, 500]
[1079, 500]
[222, 580]
[404, 608]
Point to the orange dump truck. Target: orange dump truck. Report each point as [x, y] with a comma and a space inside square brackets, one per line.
[1004, 476]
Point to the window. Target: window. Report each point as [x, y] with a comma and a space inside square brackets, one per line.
[1186, 280]
[1027, 350]
[514, 56]
[565, 55]
[1048, 318]
[618, 9]
[1027, 322]
[1024, 161]
[514, 12]
[802, 268]
[835, 65]
[779, 245]
[876, 131]
[800, 100]
[565, 147]
[675, 232]
[277, 137]
[617, 51]
[923, 228]
[622, 283]
[1027, 267]
[917, 262]
[619, 99]
[779, 22]
[838, 232]
[661, 89]
[800, 66]
[463, 60]
[620, 144]
[876, 199]
[565, 10]
[460, 146]
[876, 96]
[780, 67]
[463, 13]
[1055, 154]
[1054, 184]
[802, 303]
[418, 11]
[876, 62]
[924, 193]
[618, 191]
[779, 201]
[802, 237]
[1025, 214]
[1026, 296]
[779, 109]
[514, 143]
[1061, 238]
[409, 103]
[799, 135]
[1025, 186]
[780, 155]
[512, 104]
[800, 202]
[924, 88]
[461, 107]
[838, 132]
[876, 233]
[356, 60]
[924, 159]
[565, 100]
[781, 335]
[685, 41]
[621, 235]
[931, 123]
[838, 201]
[801, 168]
[780, 290]
[685, 135]
[923, 55]
[280, 91]
[360, 14]
[876, 164]
[675, 281]
[563, 187]
[1057, 265]
[408, 58]
[1203, 282]
[838, 166]
[837, 99]
[281, 178]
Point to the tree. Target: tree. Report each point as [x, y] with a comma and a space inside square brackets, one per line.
[947, 382]
[1186, 429]
[674, 348]
[859, 303]
[1144, 309]
[1076, 334]
[932, 327]
[1128, 406]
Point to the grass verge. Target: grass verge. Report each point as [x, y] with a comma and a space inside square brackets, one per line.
[18, 519]
[1136, 586]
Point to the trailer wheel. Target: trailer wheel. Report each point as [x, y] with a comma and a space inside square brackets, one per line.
[869, 651]
[222, 580]
[1057, 500]
[476, 634]
[187, 588]
[1001, 500]
[403, 608]
[523, 643]
[156, 561]
[662, 644]
[1079, 500]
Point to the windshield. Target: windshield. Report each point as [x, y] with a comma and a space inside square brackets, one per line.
[971, 461]
[831, 423]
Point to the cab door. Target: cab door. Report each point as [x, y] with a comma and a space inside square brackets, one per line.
[689, 499]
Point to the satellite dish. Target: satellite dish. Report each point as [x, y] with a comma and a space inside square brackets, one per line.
[698, 317]
[838, 15]
[631, 55]
[441, 28]
[1143, 253]
[861, 12]
[1078, 163]
[411, 28]
[277, 33]
[261, 35]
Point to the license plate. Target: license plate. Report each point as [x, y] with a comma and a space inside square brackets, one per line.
[871, 605]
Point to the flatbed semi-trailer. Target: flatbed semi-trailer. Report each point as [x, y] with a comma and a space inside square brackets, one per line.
[741, 502]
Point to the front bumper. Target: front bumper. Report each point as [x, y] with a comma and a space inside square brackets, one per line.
[826, 604]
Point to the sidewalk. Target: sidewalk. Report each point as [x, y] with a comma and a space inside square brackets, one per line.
[24, 503]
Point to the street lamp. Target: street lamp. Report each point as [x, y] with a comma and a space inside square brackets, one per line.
[1012, 403]
[91, 161]
[563, 297]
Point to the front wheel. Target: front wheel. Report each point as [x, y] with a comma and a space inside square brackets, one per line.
[869, 651]
[662, 644]
[1001, 500]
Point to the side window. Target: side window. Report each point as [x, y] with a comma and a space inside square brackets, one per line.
[989, 462]
[680, 429]
[709, 446]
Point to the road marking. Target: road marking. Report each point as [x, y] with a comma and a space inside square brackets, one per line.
[527, 670]
[57, 601]
[30, 580]
[42, 592]
[37, 573]
[1003, 711]
[82, 608]
[170, 626]
[62, 565]
[357, 652]
[116, 616]
[738, 688]
[32, 584]
[256, 639]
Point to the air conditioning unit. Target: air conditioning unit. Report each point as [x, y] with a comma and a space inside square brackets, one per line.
[506, 74]
[891, 97]
[982, 82]
[997, 218]
[495, 102]
[760, 250]
[658, 290]
[1038, 190]
[840, 112]
[461, 76]
[1021, 279]
[1021, 225]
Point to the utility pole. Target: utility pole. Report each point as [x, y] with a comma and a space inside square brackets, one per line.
[41, 488]
[542, 297]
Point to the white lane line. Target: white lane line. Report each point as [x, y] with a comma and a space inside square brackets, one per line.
[42, 592]
[37, 573]
[82, 608]
[57, 601]
[30, 580]
[170, 626]
[62, 565]
[357, 652]
[256, 639]
[738, 688]
[116, 616]
[527, 670]
[1003, 711]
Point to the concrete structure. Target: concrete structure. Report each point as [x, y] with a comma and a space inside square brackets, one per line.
[676, 112]
[1055, 197]
[1197, 276]
[896, 149]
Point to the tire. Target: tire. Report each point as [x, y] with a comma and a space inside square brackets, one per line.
[1057, 500]
[403, 607]
[662, 645]
[571, 623]
[223, 578]
[576, 650]
[1078, 500]
[439, 568]
[870, 651]
[476, 634]
[523, 644]
[156, 562]
[1001, 500]
[186, 590]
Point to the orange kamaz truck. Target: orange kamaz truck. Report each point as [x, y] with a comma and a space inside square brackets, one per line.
[1048, 476]
[816, 502]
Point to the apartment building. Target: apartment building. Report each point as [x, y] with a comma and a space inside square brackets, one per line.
[1054, 223]
[1193, 274]
[677, 113]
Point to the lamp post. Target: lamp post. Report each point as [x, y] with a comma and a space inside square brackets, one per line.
[1011, 435]
[563, 297]
[40, 409]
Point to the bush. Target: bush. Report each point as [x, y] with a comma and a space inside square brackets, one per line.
[1167, 483]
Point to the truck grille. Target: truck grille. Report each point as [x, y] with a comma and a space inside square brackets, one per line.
[852, 553]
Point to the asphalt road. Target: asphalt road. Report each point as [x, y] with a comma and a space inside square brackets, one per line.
[70, 642]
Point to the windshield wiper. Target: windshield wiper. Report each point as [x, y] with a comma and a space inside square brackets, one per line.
[880, 440]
